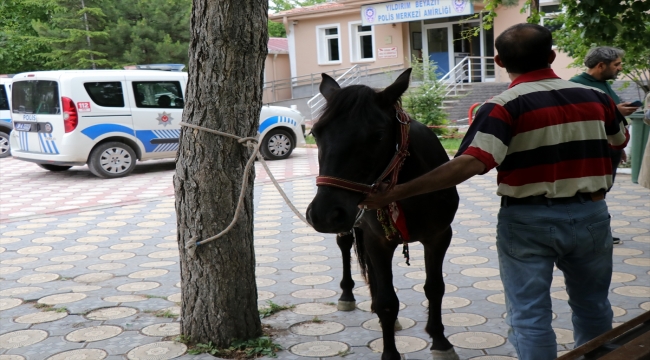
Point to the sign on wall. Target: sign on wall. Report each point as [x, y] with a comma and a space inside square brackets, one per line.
[387, 53]
[411, 10]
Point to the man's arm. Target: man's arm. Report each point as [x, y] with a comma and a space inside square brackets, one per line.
[444, 176]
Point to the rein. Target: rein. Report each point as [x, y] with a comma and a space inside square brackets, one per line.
[388, 176]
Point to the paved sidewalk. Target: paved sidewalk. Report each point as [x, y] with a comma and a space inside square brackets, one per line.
[101, 281]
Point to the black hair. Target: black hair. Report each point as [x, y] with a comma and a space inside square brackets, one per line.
[524, 48]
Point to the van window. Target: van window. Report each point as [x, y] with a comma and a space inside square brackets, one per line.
[4, 103]
[35, 97]
[158, 94]
[108, 94]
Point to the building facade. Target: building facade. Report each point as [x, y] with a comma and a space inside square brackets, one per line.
[381, 37]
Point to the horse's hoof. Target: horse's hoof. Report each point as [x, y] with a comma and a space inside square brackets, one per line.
[346, 305]
[444, 354]
[398, 326]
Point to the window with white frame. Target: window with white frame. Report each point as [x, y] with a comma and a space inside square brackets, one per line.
[329, 44]
[362, 46]
[551, 10]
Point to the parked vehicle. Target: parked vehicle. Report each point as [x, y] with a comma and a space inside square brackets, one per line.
[5, 115]
[108, 119]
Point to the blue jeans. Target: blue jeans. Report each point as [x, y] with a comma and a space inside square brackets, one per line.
[530, 239]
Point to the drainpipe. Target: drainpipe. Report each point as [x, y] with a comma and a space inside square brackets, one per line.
[285, 22]
[275, 98]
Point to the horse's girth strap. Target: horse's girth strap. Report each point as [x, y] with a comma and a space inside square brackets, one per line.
[343, 184]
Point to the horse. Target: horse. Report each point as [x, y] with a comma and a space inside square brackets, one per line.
[357, 135]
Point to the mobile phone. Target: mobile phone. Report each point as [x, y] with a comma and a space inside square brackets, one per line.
[636, 103]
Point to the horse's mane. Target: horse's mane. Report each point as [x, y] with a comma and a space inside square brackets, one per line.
[352, 99]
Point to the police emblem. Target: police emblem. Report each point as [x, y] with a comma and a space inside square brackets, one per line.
[164, 119]
[370, 14]
[459, 5]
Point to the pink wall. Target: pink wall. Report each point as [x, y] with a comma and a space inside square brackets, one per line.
[306, 43]
[508, 16]
[276, 68]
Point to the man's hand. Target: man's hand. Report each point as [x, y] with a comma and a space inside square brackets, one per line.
[626, 109]
[379, 199]
[444, 176]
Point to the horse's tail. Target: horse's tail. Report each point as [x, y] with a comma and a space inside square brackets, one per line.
[360, 250]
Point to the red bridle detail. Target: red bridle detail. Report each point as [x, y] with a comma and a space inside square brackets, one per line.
[392, 170]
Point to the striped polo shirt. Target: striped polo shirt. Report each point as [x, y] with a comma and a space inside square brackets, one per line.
[547, 136]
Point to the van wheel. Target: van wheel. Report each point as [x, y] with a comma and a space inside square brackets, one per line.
[112, 160]
[4, 145]
[55, 168]
[276, 145]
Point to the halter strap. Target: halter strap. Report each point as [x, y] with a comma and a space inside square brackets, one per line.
[392, 170]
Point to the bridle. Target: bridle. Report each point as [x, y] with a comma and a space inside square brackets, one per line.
[392, 170]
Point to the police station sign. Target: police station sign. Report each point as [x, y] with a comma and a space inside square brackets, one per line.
[402, 11]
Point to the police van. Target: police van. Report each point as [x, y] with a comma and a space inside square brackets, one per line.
[5, 115]
[108, 119]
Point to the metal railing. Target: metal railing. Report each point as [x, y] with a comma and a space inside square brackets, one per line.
[357, 74]
[307, 82]
[350, 77]
[470, 69]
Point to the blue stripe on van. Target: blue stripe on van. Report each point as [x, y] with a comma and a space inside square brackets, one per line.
[274, 120]
[6, 120]
[96, 131]
[43, 147]
[56, 150]
[145, 136]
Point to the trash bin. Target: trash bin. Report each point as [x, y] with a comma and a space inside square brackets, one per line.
[639, 140]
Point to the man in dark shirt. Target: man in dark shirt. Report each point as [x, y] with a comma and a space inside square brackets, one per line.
[604, 63]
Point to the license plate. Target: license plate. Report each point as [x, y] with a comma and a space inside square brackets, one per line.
[23, 127]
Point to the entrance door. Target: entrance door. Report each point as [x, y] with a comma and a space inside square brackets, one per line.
[438, 46]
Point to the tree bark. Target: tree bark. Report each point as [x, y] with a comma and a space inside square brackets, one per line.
[227, 49]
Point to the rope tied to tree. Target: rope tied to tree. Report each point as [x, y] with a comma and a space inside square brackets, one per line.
[250, 142]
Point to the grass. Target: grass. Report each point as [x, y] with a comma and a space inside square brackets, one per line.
[162, 313]
[155, 297]
[272, 308]
[344, 353]
[309, 139]
[316, 320]
[451, 144]
[46, 307]
[239, 349]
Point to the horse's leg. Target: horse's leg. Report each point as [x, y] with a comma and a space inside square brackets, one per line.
[347, 301]
[384, 300]
[434, 289]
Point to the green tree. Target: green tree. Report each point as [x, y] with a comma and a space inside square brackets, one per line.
[73, 31]
[424, 101]
[19, 49]
[148, 31]
[624, 24]
[584, 24]
[277, 29]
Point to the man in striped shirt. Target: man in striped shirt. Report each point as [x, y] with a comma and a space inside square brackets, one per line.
[548, 139]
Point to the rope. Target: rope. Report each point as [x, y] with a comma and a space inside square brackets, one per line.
[251, 142]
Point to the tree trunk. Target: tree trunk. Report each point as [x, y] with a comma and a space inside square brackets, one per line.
[227, 49]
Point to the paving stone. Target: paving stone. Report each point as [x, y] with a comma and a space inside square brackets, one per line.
[300, 262]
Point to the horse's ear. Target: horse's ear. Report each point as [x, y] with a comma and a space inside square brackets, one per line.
[391, 94]
[328, 86]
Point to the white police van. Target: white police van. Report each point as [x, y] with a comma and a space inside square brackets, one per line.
[5, 115]
[108, 119]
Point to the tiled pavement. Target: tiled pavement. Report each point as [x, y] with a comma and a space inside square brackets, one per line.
[93, 281]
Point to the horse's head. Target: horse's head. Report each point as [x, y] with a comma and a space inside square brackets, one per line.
[357, 138]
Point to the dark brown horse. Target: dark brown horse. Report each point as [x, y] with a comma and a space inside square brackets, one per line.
[357, 137]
